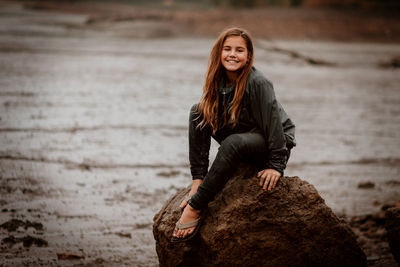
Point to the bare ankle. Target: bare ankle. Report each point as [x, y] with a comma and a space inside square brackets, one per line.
[195, 185]
[192, 209]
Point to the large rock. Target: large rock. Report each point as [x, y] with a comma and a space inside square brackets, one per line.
[247, 226]
[392, 226]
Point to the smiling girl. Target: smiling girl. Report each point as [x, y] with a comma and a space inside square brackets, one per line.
[239, 110]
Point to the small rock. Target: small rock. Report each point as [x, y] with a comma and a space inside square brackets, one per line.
[376, 203]
[357, 221]
[122, 234]
[30, 240]
[373, 258]
[169, 174]
[379, 217]
[380, 232]
[27, 241]
[392, 63]
[362, 240]
[367, 225]
[366, 185]
[69, 256]
[372, 233]
[14, 224]
[99, 261]
[392, 226]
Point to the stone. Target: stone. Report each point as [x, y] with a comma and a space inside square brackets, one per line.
[379, 218]
[366, 185]
[392, 226]
[367, 225]
[247, 226]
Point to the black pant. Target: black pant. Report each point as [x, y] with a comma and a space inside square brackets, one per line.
[234, 147]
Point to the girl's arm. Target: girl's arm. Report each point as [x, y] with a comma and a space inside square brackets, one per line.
[266, 113]
[199, 146]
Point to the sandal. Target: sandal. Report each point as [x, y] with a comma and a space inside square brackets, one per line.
[181, 226]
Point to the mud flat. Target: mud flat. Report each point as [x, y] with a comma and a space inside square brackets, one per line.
[93, 131]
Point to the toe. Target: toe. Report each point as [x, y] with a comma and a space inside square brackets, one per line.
[191, 230]
[185, 234]
[181, 232]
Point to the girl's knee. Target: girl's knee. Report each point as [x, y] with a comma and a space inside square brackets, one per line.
[233, 144]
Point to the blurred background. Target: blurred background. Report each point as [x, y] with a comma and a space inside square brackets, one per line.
[94, 104]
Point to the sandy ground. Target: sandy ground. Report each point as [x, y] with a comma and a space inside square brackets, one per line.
[93, 130]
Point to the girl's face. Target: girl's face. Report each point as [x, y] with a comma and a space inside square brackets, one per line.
[234, 53]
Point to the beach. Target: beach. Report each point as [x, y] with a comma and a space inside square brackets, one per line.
[93, 127]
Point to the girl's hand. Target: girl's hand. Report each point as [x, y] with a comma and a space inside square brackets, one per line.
[195, 184]
[268, 178]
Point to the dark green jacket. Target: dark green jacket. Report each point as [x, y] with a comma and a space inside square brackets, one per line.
[262, 112]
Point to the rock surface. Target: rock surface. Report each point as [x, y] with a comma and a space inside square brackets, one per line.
[247, 226]
[372, 236]
[392, 226]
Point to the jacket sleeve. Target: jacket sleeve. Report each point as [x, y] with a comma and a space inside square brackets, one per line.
[199, 145]
[288, 127]
[266, 113]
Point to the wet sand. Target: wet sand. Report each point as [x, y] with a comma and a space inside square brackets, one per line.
[93, 130]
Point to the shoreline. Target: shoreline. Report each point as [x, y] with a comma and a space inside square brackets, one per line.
[271, 23]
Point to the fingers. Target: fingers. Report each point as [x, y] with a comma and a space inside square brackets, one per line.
[276, 181]
[268, 179]
[265, 176]
[183, 204]
[272, 182]
[262, 175]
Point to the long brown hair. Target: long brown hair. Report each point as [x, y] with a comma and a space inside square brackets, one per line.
[208, 106]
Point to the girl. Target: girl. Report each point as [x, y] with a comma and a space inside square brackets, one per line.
[239, 110]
